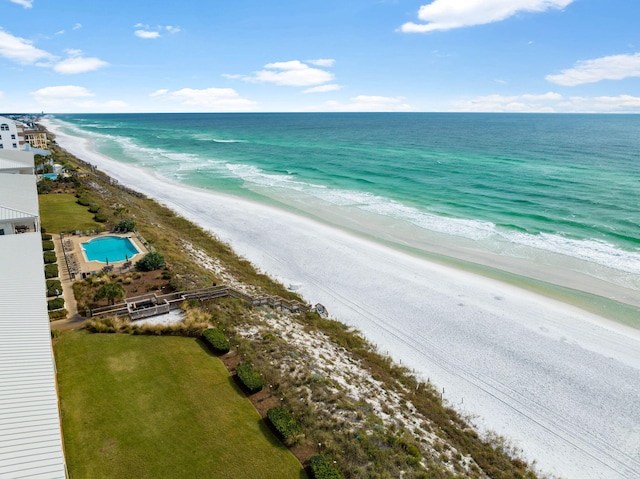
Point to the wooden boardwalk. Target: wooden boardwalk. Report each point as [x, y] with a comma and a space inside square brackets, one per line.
[148, 305]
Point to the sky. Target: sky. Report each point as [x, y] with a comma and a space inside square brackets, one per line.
[98, 56]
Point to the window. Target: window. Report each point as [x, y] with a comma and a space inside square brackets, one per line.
[13, 137]
[4, 127]
[1, 231]
[1, 146]
[15, 145]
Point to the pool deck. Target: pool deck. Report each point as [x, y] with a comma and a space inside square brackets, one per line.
[78, 261]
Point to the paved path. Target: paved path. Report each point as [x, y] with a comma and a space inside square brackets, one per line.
[73, 320]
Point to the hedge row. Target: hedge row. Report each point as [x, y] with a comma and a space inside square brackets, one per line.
[50, 257]
[286, 425]
[47, 245]
[321, 468]
[249, 377]
[216, 339]
[50, 271]
[56, 303]
[52, 286]
[45, 236]
[58, 314]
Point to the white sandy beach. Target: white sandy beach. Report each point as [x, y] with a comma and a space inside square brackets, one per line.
[561, 383]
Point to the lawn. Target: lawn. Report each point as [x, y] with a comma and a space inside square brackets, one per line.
[61, 213]
[150, 407]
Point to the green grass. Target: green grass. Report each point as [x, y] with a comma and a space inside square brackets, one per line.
[61, 213]
[149, 407]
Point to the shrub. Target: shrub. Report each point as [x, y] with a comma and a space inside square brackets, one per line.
[321, 468]
[50, 257]
[100, 218]
[126, 225]
[83, 201]
[45, 236]
[286, 425]
[57, 303]
[216, 339]
[94, 209]
[47, 245]
[52, 286]
[249, 377]
[150, 262]
[50, 270]
[58, 314]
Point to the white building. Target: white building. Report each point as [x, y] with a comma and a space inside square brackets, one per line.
[11, 134]
[30, 428]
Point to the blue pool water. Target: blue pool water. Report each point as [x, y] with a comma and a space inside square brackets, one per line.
[109, 249]
[51, 176]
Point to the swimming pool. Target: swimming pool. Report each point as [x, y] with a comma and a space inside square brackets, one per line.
[109, 249]
[51, 176]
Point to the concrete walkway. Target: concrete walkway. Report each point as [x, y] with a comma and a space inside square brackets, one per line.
[73, 320]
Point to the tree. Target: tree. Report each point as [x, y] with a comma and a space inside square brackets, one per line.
[111, 291]
[150, 262]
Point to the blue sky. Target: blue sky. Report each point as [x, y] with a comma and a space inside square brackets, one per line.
[347, 55]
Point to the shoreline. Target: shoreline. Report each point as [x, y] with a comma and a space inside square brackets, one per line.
[482, 340]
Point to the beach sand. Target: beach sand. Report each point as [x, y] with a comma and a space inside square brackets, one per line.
[561, 383]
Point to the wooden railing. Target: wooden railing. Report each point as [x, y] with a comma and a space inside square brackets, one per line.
[136, 308]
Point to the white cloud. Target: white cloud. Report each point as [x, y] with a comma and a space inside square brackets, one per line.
[24, 3]
[290, 73]
[73, 98]
[61, 92]
[21, 50]
[207, 99]
[79, 64]
[602, 104]
[146, 34]
[151, 33]
[323, 88]
[322, 62]
[369, 103]
[614, 67]
[546, 102]
[449, 14]
[77, 26]
[550, 102]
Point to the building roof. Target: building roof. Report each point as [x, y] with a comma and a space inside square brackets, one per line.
[18, 192]
[21, 156]
[6, 164]
[30, 435]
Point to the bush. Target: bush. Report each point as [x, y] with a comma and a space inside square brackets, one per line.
[216, 339]
[94, 209]
[57, 303]
[321, 468]
[52, 286]
[83, 201]
[126, 225]
[150, 262]
[50, 257]
[50, 270]
[286, 425]
[249, 377]
[47, 245]
[45, 236]
[58, 314]
[100, 218]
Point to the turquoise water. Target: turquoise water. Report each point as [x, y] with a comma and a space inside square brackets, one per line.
[51, 176]
[514, 184]
[109, 249]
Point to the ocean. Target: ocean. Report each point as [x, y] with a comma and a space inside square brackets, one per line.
[552, 189]
[483, 252]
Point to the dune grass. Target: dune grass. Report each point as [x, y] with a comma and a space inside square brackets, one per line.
[61, 213]
[149, 407]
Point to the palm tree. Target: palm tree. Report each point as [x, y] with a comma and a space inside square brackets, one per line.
[111, 291]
